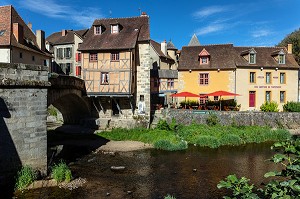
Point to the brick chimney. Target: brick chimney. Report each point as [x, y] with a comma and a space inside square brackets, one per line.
[63, 32]
[40, 39]
[290, 49]
[163, 47]
[18, 32]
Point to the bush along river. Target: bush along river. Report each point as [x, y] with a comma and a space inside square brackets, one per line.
[151, 173]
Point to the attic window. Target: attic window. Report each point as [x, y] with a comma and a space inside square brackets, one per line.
[98, 30]
[115, 28]
[281, 57]
[204, 57]
[2, 32]
[252, 58]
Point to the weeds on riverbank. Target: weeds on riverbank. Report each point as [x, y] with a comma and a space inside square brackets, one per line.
[176, 137]
[61, 172]
[25, 177]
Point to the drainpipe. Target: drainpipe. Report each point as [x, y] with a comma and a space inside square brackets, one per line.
[235, 83]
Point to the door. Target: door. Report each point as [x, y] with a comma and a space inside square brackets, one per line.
[251, 98]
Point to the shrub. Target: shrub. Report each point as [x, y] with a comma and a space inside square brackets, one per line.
[206, 140]
[292, 107]
[52, 111]
[169, 197]
[25, 177]
[231, 139]
[189, 103]
[169, 146]
[162, 125]
[212, 119]
[61, 172]
[269, 107]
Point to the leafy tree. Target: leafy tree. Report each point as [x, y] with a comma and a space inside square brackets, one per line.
[293, 38]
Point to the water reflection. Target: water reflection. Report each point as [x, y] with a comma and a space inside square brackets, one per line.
[193, 173]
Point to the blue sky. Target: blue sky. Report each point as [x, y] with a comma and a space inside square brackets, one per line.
[243, 23]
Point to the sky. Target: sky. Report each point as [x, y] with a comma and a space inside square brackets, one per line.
[240, 22]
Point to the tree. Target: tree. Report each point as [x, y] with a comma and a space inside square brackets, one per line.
[293, 38]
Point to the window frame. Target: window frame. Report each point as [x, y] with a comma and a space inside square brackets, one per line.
[97, 30]
[170, 83]
[203, 81]
[203, 99]
[104, 78]
[284, 97]
[281, 59]
[266, 96]
[114, 31]
[254, 58]
[284, 78]
[93, 57]
[115, 56]
[252, 79]
[270, 78]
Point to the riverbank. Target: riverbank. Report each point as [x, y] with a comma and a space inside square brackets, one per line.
[123, 146]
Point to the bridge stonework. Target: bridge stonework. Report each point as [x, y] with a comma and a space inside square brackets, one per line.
[23, 113]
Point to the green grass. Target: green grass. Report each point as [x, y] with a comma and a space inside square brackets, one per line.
[25, 177]
[61, 172]
[199, 134]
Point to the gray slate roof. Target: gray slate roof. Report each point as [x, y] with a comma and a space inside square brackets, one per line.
[194, 41]
[171, 46]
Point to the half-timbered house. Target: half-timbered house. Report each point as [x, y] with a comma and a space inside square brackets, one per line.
[116, 68]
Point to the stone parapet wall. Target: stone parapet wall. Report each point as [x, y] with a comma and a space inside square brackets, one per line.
[23, 113]
[277, 120]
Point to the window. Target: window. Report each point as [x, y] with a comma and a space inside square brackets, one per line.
[282, 78]
[203, 78]
[68, 53]
[78, 57]
[203, 99]
[252, 98]
[268, 78]
[252, 77]
[282, 96]
[21, 55]
[68, 68]
[33, 58]
[2, 32]
[252, 59]
[268, 96]
[97, 30]
[281, 59]
[59, 53]
[104, 78]
[216, 98]
[115, 28]
[114, 57]
[93, 56]
[170, 84]
[204, 60]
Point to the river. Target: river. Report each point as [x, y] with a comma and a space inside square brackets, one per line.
[150, 173]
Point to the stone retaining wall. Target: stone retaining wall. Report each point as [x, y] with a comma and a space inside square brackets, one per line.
[280, 119]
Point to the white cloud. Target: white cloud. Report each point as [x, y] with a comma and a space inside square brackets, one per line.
[50, 8]
[210, 29]
[208, 11]
[261, 33]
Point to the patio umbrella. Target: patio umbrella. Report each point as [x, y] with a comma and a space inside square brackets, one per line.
[221, 93]
[185, 95]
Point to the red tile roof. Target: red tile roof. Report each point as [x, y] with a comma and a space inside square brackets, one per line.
[133, 30]
[8, 16]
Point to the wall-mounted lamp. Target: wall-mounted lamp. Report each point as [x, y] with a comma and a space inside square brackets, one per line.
[261, 68]
[190, 70]
[218, 70]
[276, 69]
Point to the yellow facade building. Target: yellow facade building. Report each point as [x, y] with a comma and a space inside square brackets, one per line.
[257, 74]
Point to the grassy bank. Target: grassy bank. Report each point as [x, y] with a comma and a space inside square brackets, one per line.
[177, 137]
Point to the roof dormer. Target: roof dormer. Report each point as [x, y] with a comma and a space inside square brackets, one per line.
[279, 56]
[115, 28]
[204, 57]
[249, 55]
[99, 29]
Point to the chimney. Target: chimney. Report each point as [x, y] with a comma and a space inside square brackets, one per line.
[290, 49]
[163, 47]
[18, 32]
[63, 32]
[40, 39]
[29, 25]
[144, 14]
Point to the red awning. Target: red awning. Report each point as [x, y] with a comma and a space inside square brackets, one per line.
[185, 94]
[222, 93]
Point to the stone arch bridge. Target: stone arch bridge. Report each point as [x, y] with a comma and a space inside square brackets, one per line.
[68, 95]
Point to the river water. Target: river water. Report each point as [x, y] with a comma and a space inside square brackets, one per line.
[193, 173]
